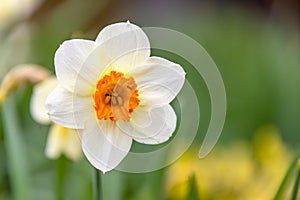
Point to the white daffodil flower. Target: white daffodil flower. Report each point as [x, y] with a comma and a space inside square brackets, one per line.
[60, 140]
[114, 92]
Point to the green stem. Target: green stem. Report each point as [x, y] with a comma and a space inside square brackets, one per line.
[193, 193]
[60, 177]
[97, 185]
[296, 185]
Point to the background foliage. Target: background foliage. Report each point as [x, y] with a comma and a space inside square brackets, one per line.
[256, 46]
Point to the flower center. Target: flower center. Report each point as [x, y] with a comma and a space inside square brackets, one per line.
[116, 97]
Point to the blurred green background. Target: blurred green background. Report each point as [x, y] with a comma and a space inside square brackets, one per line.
[256, 46]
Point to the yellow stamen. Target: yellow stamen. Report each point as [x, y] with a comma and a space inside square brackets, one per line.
[116, 97]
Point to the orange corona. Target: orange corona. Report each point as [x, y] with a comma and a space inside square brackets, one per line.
[116, 97]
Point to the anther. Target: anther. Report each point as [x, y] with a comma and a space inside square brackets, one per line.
[107, 99]
[114, 101]
[120, 100]
[115, 94]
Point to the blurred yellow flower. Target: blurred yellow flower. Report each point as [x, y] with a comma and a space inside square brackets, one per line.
[11, 10]
[61, 140]
[20, 75]
[65, 141]
[240, 170]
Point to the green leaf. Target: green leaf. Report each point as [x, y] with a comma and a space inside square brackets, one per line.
[15, 150]
[286, 180]
[296, 185]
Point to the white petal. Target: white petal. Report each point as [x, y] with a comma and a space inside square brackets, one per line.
[38, 100]
[165, 62]
[150, 125]
[67, 109]
[126, 44]
[104, 145]
[92, 68]
[69, 59]
[158, 83]
[116, 29]
[53, 146]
